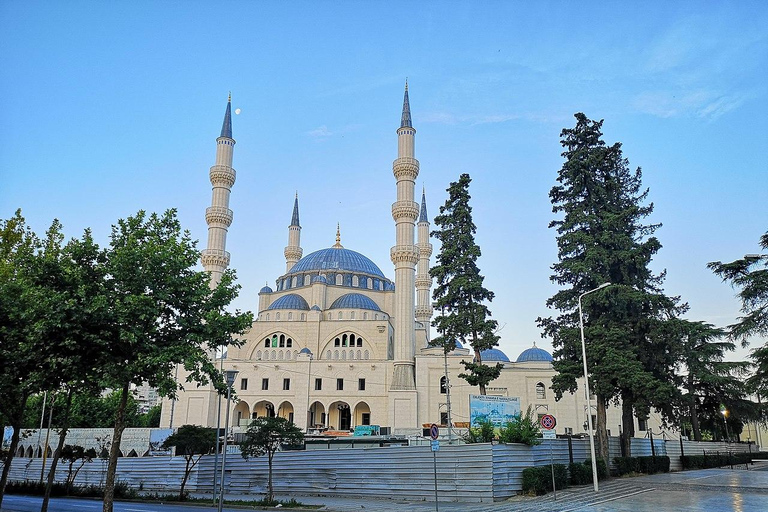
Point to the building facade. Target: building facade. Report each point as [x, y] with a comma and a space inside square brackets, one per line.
[337, 344]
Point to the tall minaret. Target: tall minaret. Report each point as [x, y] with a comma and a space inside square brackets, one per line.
[423, 281]
[215, 258]
[404, 254]
[293, 250]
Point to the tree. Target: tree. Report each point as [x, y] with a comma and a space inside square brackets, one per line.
[750, 276]
[601, 238]
[459, 292]
[265, 436]
[707, 379]
[72, 454]
[191, 440]
[163, 314]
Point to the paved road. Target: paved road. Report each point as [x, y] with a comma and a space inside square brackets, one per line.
[716, 490]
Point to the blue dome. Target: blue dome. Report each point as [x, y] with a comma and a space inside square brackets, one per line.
[315, 308]
[266, 289]
[354, 301]
[494, 354]
[290, 301]
[305, 350]
[336, 258]
[534, 354]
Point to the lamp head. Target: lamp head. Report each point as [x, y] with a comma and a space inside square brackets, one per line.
[230, 376]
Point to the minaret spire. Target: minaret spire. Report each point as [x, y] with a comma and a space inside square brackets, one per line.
[293, 250]
[215, 258]
[405, 255]
[423, 281]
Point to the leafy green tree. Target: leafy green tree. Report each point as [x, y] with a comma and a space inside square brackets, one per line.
[163, 313]
[461, 298]
[749, 275]
[191, 440]
[601, 238]
[484, 432]
[523, 429]
[265, 436]
[73, 454]
[151, 418]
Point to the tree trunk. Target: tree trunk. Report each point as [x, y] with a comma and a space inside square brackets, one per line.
[270, 490]
[695, 422]
[602, 431]
[16, 424]
[187, 470]
[57, 453]
[628, 426]
[114, 451]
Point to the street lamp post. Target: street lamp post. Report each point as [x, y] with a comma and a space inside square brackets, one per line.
[724, 412]
[586, 384]
[230, 380]
[218, 430]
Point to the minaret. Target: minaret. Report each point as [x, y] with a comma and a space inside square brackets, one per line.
[215, 258]
[404, 254]
[423, 281]
[293, 251]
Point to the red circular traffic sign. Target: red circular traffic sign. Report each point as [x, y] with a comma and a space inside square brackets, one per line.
[548, 421]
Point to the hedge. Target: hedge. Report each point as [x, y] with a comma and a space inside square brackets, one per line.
[602, 468]
[715, 460]
[647, 464]
[538, 479]
[36, 488]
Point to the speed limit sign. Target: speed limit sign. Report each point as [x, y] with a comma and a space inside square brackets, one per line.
[548, 422]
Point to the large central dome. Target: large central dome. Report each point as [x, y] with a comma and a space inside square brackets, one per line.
[338, 259]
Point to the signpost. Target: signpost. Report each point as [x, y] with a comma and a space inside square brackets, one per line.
[548, 423]
[434, 433]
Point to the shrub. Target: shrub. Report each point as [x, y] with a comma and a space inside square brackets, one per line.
[714, 460]
[581, 474]
[523, 429]
[485, 433]
[35, 488]
[602, 469]
[538, 480]
[647, 464]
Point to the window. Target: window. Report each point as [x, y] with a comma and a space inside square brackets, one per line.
[264, 384]
[266, 343]
[541, 391]
[339, 384]
[289, 343]
[243, 384]
[337, 342]
[568, 431]
[286, 384]
[642, 424]
[318, 384]
[361, 384]
[444, 418]
[443, 388]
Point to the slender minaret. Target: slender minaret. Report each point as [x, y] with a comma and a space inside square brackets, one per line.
[404, 254]
[215, 258]
[293, 250]
[423, 281]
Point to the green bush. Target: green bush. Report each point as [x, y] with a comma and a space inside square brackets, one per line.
[581, 474]
[523, 429]
[602, 469]
[485, 433]
[647, 464]
[538, 480]
[715, 460]
[35, 488]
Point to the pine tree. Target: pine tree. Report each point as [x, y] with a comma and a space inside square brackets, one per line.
[601, 238]
[461, 298]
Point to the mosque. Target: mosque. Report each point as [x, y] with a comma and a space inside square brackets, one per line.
[337, 344]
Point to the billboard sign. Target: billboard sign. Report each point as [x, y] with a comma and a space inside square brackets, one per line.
[496, 409]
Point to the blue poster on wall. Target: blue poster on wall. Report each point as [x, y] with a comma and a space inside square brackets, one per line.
[496, 409]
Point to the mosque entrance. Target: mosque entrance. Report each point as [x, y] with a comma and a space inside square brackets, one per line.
[341, 416]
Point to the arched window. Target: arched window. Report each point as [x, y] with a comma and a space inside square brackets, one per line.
[351, 354]
[343, 355]
[258, 354]
[344, 340]
[355, 281]
[443, 387]
[359, 342]
[365, 355]
[339, 315]
[289, 343]
[365, 316]
[335, 354]
[290, 316]
[339, 279]
[282, 341]
[352, 315]
[328, 355]
[280, 355]
[337, 342]
[277, 316]
[329, 316]
[266, 343]
[541, 391]
[358, 354]
[303, 317]
[267, 317]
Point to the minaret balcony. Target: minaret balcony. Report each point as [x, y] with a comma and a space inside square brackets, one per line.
[214, 257]
[218, 215]
[405, 168]
[223, 175]
[405, 209]
[404, 254]
[423, 282]
[424, 311]
[425, 250]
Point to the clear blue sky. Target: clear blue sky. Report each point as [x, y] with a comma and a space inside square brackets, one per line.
[111, 107]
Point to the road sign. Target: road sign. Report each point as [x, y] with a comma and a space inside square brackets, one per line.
[434, 431]
[548, 422]
[549, 434]
[435, 445]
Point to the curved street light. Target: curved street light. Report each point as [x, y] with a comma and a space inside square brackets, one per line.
[586, 383]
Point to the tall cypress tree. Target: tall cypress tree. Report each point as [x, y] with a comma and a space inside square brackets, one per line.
[601, 237]
[461, 298]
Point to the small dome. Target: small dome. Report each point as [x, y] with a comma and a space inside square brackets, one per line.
[305, 350]
[319, 279]
[494, 354]
[354, 301]
[459, 345]
[535, 354]
[266, 289]
[315, 308]
[290, 301]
